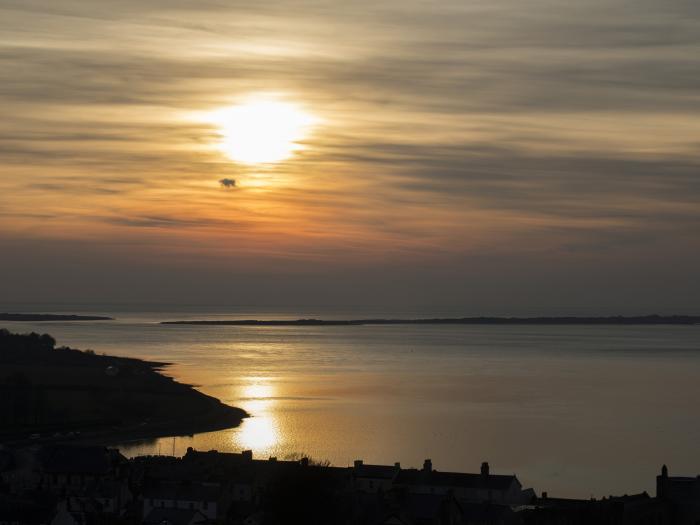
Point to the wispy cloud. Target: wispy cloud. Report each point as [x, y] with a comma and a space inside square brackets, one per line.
[446, 129]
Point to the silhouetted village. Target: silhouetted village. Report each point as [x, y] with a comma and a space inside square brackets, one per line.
[67, 485]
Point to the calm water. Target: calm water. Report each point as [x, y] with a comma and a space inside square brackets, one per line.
[577, 411]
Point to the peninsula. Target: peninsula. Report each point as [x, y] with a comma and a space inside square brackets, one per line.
[52, 317]
[612, 320]
[60, 392]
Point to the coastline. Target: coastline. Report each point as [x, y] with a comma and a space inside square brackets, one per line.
[82, 397]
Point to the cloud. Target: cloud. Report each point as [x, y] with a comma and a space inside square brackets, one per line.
[542, 120]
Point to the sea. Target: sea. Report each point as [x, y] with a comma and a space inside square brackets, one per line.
[577, 411]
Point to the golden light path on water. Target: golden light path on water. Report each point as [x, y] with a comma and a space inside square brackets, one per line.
[260, 432]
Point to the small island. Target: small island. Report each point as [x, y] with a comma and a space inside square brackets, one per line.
[611, 320]
[51, 317]
[60, 392]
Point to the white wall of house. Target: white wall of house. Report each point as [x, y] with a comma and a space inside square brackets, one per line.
[208, 508]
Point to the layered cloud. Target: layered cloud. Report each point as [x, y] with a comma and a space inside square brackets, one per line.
[449, 130]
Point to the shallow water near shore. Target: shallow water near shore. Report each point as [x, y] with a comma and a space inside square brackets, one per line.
[573, 410]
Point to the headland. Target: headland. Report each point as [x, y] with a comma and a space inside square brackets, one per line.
[70, 395]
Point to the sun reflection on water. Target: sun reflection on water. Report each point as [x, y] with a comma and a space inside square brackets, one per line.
[260, 432]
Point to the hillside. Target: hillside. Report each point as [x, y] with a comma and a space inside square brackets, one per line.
[72, 394]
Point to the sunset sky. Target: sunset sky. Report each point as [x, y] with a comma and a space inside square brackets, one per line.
[488, 156]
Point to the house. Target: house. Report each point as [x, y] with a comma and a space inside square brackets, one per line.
[102, 497]
[636, 509]
[681, 495]
[482, 487]
[487, 514]
[424, 509]
[373, 478]
[68, 469]
[24, 510]
[197, 496]
[235, 472]
[20, 470]
[173, 516]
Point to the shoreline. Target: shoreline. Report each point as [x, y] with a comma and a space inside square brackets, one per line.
[83, 397]
[220, 419]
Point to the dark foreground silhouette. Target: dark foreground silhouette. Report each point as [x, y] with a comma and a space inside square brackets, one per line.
[49, 392]
[614, 320]
[98, 485]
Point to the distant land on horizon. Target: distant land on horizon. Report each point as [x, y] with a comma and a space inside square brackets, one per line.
[609, 320]
[52, 317]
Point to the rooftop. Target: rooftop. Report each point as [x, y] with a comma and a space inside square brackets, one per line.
[64, 459]
[455, 479]
[182, 491]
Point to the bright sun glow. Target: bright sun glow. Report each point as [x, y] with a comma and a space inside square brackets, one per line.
[262, 130]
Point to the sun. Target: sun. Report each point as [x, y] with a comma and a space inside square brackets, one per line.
[262, 130]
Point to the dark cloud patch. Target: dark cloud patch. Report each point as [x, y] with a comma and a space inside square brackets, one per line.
[69, 190]
[159, 221]
[227, 183]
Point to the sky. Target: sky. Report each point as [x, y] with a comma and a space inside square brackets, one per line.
[483, 156]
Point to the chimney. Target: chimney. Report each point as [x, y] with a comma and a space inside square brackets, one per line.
[397, 465]
[485, 469]
[358, 464]
[427, 466]
[544, 495]
[247, 455]
[662, 483]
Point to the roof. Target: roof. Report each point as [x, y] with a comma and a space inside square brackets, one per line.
[562, 503]
[183, 491]
[77, 460]
[174, 517]
[375, 471]
[104, 489]
[683, 479]
[455, 479]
